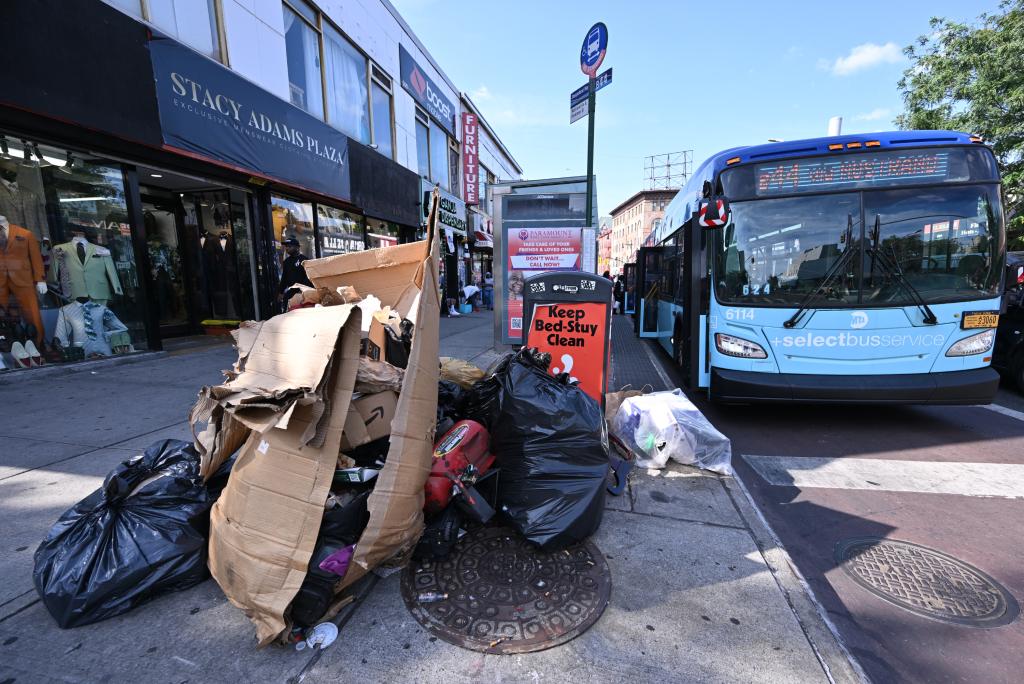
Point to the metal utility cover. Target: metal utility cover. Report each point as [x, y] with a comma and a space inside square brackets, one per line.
[926, 582]
[506, 596]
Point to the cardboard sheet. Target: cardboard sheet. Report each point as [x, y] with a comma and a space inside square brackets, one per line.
[264, 526]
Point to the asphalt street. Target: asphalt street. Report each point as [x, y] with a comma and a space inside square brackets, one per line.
[949, 479]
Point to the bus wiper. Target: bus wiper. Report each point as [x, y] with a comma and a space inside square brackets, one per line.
[892, 268]
[838, 267]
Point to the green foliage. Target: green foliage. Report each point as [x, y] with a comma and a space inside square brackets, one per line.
[970, 78]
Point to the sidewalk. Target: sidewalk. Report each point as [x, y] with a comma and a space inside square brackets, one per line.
[699, 592]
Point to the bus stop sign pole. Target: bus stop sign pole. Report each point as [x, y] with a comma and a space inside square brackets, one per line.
[595, 46]
[591, 106]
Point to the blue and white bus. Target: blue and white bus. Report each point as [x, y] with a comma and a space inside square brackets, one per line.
[854, 268]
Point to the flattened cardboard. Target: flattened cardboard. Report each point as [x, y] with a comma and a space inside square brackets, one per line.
[369, 418]
[263, 528]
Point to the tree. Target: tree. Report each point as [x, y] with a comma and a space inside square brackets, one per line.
[971, 78]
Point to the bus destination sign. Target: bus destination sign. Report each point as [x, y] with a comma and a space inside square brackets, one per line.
[862, 170]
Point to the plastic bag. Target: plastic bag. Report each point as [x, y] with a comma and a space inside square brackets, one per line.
[139, 536]
[378, 376]
[664, 425]
[463, 373]
[550, 442]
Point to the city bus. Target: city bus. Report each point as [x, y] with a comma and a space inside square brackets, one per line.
[849, 269]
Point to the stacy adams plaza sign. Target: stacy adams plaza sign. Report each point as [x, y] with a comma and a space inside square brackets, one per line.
[207, 110]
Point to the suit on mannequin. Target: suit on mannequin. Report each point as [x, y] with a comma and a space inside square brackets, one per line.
[21, 272]
[82, 269]
[221, 277]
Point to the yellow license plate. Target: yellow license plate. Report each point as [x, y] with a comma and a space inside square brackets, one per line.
[979, 319]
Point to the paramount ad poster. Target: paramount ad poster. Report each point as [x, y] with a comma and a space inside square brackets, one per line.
[533, 250]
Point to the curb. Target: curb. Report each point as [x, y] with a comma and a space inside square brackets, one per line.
[50, 371]
[838, 663]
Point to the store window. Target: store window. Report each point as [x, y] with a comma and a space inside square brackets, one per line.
[339, 231]
[292, 219]
[346, 86]
[486, 179]
[193, 22]
[453, 167]
[422, 144]
[381, 111]
[71, 288]
[439, 156]
[302, 44]
[381, 233]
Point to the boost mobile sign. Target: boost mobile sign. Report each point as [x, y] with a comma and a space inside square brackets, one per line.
[425, 91]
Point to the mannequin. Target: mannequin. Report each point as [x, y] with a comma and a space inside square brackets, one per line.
[21, 272]
[88, 324]
[20, 205]
[81, 269]
[219, 260]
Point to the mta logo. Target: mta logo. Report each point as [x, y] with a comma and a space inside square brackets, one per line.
[858, 319]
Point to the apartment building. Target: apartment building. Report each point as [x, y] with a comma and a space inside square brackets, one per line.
[633, 221]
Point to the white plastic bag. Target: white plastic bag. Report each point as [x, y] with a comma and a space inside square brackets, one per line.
[664, 425]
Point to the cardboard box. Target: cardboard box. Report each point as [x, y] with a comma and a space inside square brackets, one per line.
[291, 390]
[369, 418]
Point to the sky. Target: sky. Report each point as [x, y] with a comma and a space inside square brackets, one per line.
[701, 76]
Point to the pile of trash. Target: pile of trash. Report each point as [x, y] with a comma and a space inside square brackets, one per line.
[338, 444]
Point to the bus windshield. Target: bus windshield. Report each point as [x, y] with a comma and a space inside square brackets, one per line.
[944, 240]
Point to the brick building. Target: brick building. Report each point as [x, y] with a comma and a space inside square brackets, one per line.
[632, 222]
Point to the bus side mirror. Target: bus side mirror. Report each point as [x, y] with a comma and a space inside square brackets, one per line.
[714, 212]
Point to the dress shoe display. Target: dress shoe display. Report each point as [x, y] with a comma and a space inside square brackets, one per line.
[35, 358]
[22, 358]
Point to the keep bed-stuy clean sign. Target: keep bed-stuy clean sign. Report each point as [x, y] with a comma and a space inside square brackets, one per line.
[570, 319]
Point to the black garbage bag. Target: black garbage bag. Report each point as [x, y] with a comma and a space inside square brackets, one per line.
[139, 536]
[398, 346]
[482, 402]
[450, 400]
[550, 441]
[341, 527]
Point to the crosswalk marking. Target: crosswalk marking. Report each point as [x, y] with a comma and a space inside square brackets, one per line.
[1001, 480]
[1005, 411]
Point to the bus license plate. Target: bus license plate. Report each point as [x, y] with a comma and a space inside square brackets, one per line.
[979, 319]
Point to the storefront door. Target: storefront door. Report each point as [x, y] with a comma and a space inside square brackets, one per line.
[162, 228]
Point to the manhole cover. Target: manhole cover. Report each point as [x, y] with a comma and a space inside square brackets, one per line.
[926, 582]
[506, 596]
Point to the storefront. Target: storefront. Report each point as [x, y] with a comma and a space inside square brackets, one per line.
[153, 202]
[452, 219]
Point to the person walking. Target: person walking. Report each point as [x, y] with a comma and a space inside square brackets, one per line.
[619, 291]
[489, 291]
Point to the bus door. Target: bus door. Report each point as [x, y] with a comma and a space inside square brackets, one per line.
[629, 301]
[650, 269]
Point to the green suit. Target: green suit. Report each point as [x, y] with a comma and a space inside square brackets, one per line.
[96, 278]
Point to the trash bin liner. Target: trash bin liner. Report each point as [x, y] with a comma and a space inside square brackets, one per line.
[550, 442]
[139, 536]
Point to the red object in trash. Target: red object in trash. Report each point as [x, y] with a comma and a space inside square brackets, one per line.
[462, 454]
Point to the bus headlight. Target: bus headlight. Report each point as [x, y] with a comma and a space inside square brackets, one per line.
[975, 344]
[737, 346]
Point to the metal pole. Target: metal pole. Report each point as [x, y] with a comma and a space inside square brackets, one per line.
[591, 102]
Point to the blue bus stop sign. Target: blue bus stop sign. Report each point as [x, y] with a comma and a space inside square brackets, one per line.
[595, 45]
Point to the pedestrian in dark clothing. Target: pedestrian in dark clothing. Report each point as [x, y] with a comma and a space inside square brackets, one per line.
[619, 289]
[292, 271]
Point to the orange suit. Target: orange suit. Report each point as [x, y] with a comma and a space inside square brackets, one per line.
[21, 267]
